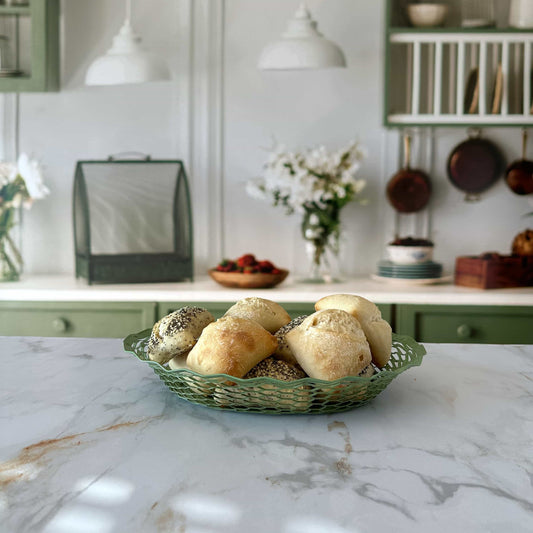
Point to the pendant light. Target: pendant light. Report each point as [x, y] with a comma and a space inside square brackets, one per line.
[126, 61]
[302, 46]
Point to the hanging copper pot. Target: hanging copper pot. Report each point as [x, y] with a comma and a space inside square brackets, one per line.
[409, 189]
[475, 165]
[519, 174]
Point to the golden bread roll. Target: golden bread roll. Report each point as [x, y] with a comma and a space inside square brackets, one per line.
[176, 333]
[330, 344]
[268, 314]
[378, 331]
[231, 345]
[283, 352]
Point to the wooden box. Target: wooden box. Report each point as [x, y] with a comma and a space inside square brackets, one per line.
[494, 271]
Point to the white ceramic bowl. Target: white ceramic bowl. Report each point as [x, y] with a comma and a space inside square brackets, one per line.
[409, 255]
[427, 15]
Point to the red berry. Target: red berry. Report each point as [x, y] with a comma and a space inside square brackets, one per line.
[265, 266]
[246, 260]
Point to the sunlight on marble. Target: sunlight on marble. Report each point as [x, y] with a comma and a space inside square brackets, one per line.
[3, 505]
[104, 490]
[314, 524]
[80, 519]
[207, 510]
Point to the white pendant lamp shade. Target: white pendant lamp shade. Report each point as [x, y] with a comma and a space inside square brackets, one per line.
[302, 46]
[126, 61]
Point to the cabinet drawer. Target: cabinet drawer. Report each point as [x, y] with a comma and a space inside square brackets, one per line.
[79, 319]
[466, 324]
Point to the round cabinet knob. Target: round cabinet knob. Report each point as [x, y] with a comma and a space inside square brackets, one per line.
[60, 325]
[464, 331]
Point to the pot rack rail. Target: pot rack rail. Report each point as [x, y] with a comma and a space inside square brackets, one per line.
[439, 67]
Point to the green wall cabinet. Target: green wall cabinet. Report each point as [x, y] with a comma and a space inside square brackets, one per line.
[75, 319]
[32, 33]
[466, 323]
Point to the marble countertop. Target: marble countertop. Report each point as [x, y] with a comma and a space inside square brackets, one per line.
[68, 288]
[92, 442]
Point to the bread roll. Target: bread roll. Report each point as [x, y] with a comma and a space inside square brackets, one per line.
[283, 352]
[330, 344]
[268, 314]
[378, 331]
[367, 372]
[178, 362]
[276, 369]
[175, 334]
[231, 345]
[268, 395]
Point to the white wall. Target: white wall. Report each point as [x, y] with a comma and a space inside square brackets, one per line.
[221, 121]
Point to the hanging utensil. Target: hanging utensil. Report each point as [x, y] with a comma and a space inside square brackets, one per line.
[475, 165]
[519, 174]
[409, 189]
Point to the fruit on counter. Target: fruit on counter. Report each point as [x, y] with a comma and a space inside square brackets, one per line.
[247, 264]
[410, 241]
[523, 243]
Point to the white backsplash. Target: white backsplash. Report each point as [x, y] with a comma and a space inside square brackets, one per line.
[221, 122]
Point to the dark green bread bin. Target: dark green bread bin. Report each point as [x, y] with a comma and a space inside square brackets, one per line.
[132, 221]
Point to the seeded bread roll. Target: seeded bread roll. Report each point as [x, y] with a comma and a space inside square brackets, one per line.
[268, 314]
[175, 334]
[367, 372]
[276, 369]
[231, 345]
[283, 352]
[330, 344]
[267, 395]
[378, 331]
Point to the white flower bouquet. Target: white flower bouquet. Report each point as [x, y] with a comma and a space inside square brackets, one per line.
[317, 184]
[20, 184]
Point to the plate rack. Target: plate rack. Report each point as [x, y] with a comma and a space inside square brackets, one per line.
[458, 78]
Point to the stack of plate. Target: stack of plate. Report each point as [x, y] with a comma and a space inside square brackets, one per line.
[427, 270]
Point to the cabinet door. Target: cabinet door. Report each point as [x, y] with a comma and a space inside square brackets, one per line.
[75, 319]
[33, 33]
[466, 324]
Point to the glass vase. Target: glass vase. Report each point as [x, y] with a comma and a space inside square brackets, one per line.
[10, 259]
[323, 264]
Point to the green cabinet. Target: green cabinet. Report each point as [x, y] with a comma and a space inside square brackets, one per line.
[219, 308]
[30, 59]
[294, 309]
[75, 319]
[425, 323]
[466, 323]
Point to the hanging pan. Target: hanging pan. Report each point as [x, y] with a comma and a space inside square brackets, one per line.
[409, 189]
[475, 165]
[519, 174]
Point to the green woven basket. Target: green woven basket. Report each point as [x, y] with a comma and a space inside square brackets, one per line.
[272, 396]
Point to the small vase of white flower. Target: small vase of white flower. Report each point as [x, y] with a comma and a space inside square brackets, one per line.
[315, 184]
[20, 184]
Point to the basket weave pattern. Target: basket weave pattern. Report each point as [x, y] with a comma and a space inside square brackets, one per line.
[272, 396]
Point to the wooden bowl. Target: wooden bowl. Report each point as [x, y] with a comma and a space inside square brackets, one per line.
[259, 280]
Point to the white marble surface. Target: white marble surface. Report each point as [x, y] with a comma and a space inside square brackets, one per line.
[92, 442]
[67, 288]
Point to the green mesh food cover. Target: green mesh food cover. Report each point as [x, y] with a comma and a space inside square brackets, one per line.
[132, 221]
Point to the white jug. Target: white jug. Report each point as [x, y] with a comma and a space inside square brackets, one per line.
[521, 14]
